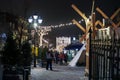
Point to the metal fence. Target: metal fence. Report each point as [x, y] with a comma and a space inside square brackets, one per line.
[104, 59]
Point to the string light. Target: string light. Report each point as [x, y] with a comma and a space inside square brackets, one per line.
[62, 25]
[48, 28]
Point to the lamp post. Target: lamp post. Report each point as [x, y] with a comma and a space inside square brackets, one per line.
[35, 20]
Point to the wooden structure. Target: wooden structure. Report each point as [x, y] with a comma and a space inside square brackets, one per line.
[93, 25]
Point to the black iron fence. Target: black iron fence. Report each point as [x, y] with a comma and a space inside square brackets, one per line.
[104, 59]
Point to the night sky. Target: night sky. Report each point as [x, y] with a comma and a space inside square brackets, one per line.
[55, 12]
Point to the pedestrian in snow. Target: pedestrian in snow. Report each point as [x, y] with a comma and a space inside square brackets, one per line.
[61, 57]
[49, 57]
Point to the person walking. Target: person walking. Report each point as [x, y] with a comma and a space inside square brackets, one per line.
[49, 57]
[65, 58]
[56, 57]
[61, 57]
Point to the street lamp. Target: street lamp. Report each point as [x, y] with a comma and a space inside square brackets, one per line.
[35, 20]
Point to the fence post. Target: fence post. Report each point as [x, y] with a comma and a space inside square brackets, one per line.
[90, 55]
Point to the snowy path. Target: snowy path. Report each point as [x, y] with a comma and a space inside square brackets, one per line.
[59, 73]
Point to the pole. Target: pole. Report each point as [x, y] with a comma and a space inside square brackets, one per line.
[90, 55]
[34, 50]
[90, 39]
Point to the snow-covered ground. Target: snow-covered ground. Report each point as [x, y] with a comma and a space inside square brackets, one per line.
[58, 73]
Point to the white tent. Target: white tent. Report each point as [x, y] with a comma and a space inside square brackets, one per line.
[77, 56]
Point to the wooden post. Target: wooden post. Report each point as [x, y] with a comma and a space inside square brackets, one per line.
[79, 12]
[106, 17]
[80, 26]
[93, 25]
[115, 13]
[87, 55]
[98, 22]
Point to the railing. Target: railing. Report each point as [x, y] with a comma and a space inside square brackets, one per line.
[105, 59]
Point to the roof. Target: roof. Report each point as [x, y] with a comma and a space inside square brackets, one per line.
[73, 46]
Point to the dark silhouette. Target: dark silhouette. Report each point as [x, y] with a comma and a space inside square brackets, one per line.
[65, 58]
[49, 57]
[56, 57]
[61, 58]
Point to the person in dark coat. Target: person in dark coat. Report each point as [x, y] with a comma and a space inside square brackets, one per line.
[61, 57]
[56, 57]
[66, 58]
[49, 57]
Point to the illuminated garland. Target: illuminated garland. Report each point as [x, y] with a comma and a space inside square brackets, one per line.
[62, 25]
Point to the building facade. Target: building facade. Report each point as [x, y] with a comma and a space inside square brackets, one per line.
[62, 42]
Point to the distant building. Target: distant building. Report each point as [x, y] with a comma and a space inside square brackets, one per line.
[62, 42]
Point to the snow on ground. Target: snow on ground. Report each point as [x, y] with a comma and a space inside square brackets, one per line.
[58, 73]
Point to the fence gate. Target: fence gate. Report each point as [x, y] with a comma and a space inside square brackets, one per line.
[104, 59]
